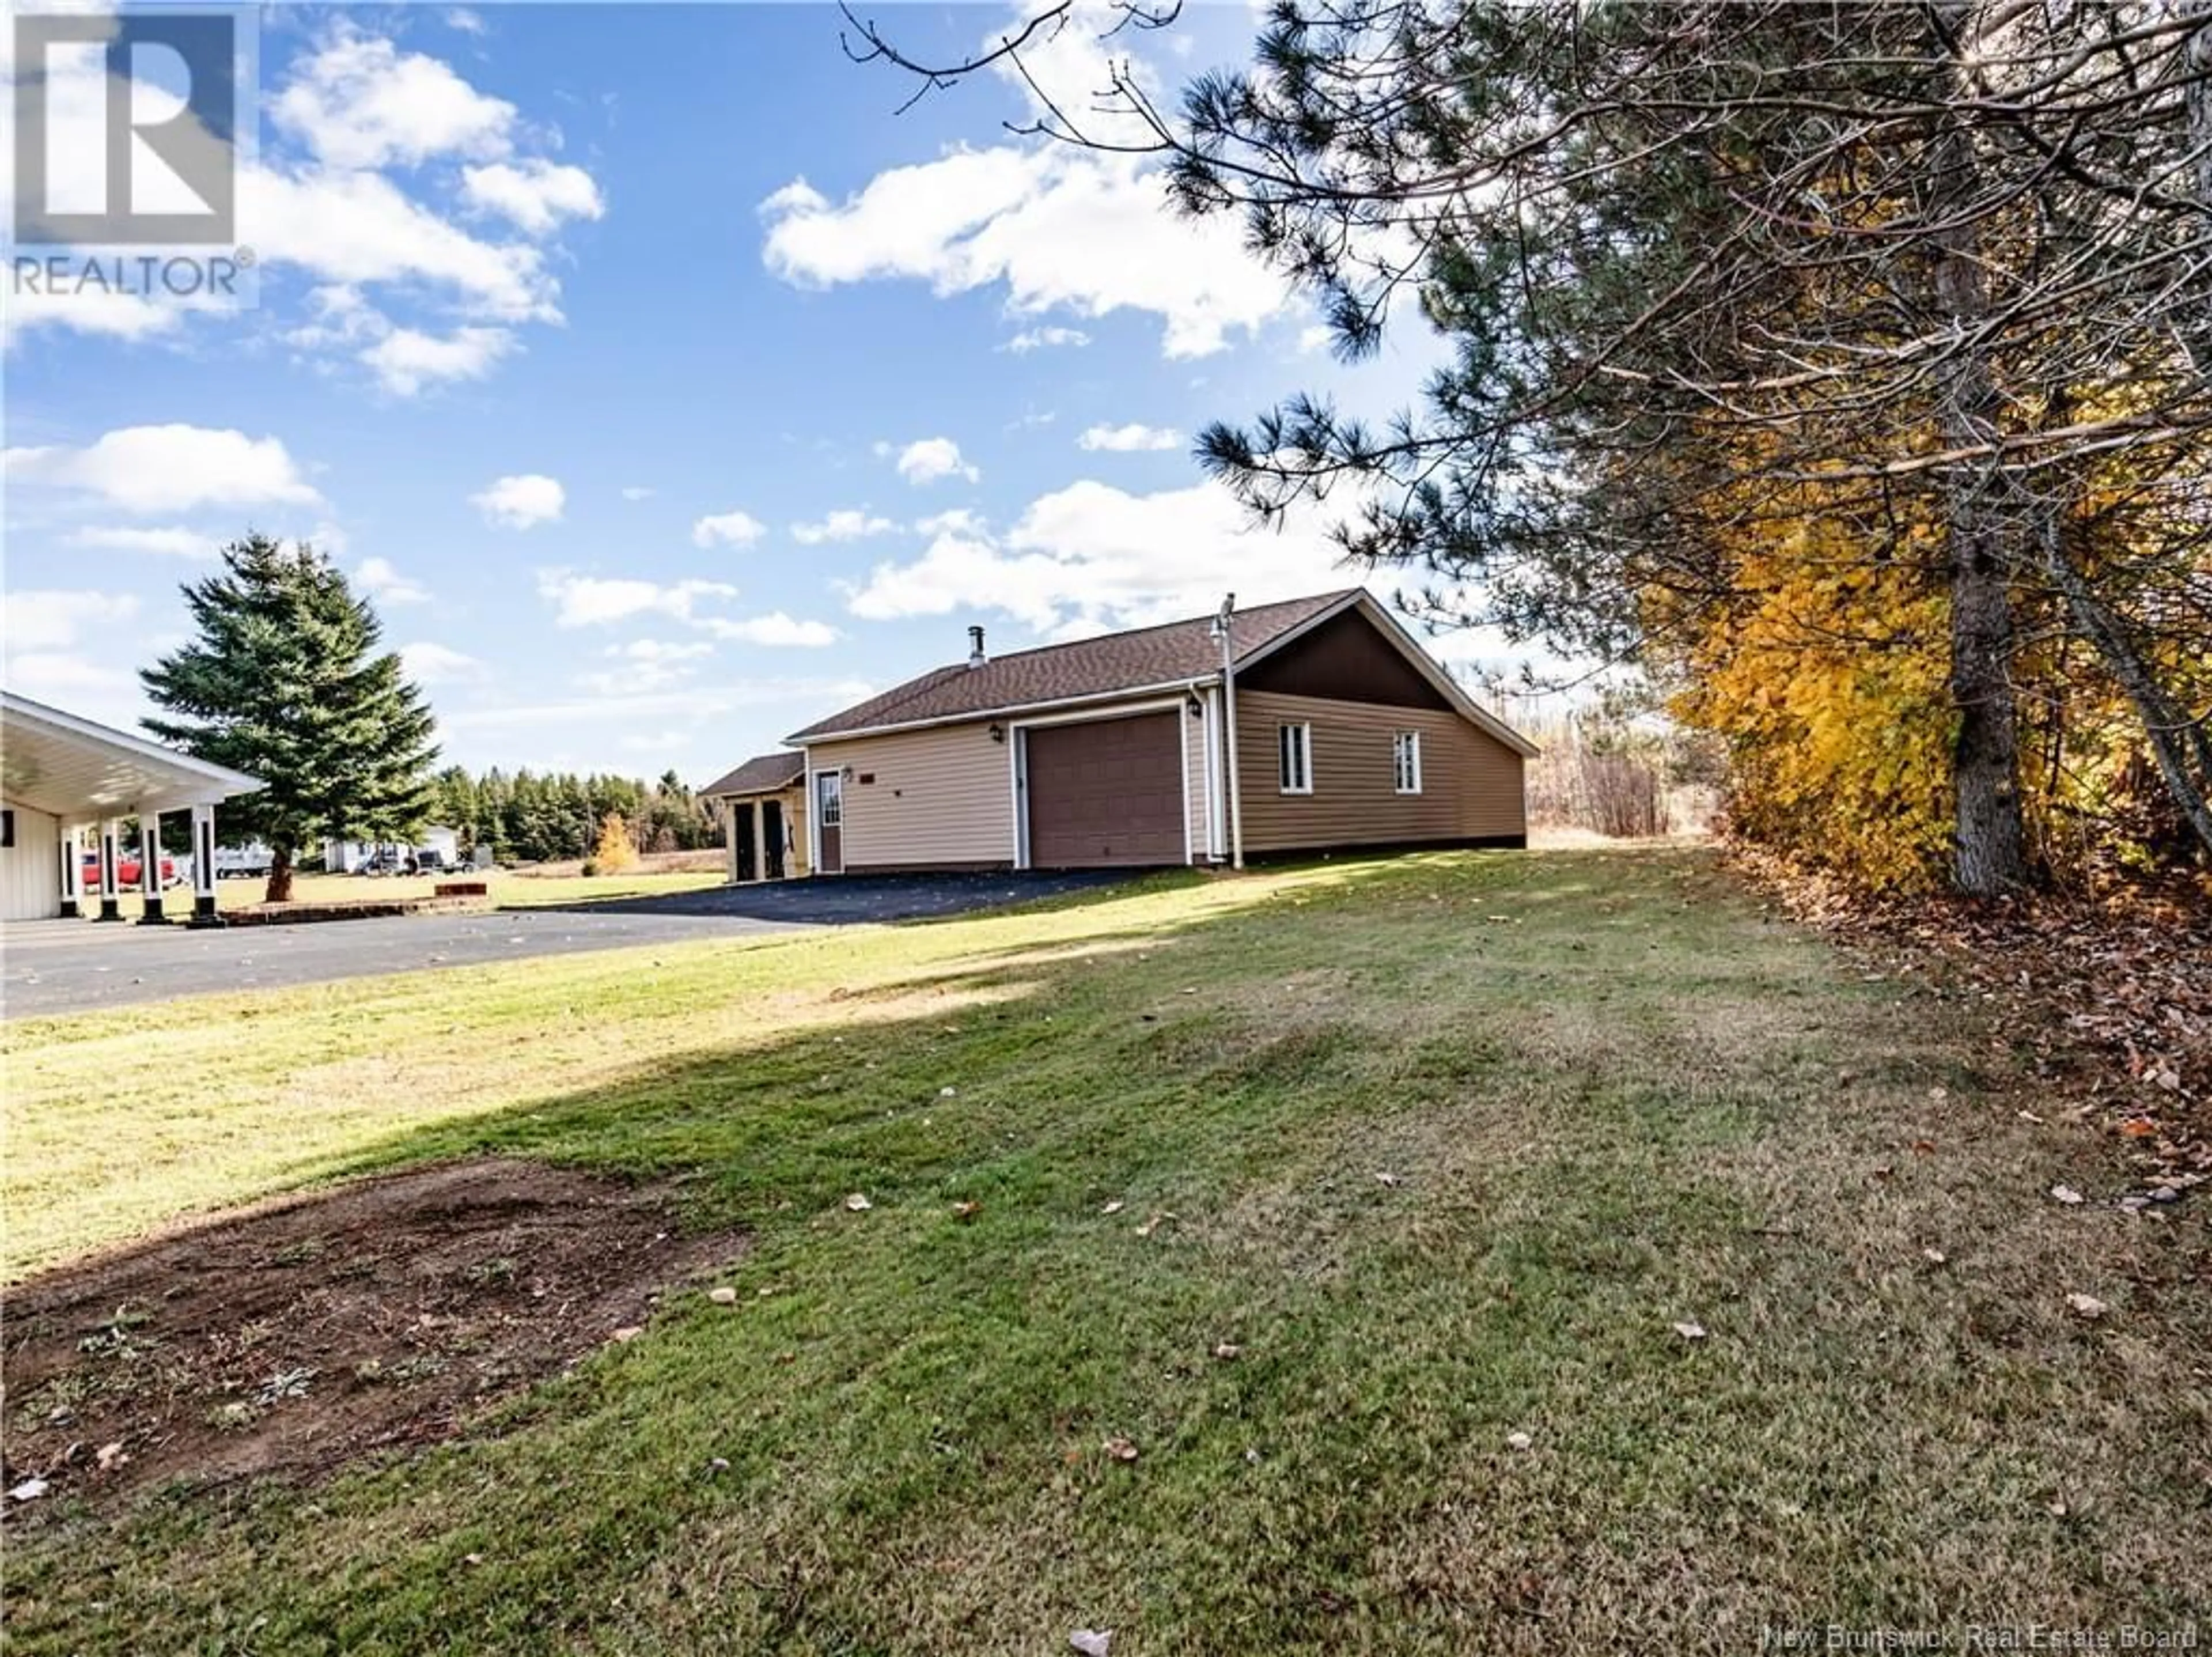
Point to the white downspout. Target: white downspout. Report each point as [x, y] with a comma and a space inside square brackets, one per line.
[1221, 627]
[1210, 764]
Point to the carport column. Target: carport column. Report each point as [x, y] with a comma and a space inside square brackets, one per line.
[760, 839]
[203, 867]
[111, 889]
[72, 871]
[149, 869]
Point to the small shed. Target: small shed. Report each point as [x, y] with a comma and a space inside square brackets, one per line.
[762, 807]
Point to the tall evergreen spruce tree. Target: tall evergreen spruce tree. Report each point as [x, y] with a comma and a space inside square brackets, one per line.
[285, 680]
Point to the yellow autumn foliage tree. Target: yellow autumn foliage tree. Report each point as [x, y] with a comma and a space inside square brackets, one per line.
[1825, 674]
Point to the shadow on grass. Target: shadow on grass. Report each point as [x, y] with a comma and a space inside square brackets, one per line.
[1097, 1170]
[865, 900]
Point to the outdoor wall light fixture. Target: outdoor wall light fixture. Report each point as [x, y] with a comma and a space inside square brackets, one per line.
[998, 732]
[1194, 708]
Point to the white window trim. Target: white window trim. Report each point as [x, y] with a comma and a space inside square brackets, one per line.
[1415, 738]
[1304, 728]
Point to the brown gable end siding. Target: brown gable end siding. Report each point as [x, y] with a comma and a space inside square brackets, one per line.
[1472, 783]
[1345, 658]
[1149, 656]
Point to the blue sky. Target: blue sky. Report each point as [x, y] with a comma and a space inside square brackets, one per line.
[667, 386]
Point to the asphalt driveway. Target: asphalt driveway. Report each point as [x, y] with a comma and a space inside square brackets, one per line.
[50, 967]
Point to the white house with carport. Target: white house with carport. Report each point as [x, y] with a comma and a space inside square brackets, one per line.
[66, 785]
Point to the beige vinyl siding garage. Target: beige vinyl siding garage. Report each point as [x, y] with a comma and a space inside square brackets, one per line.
[940, 798]
[1471, 782]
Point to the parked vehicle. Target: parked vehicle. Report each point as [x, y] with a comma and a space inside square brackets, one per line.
[243, 863]
[129, 866]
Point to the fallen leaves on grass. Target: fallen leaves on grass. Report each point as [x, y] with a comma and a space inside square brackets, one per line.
[2087, 1306]
[1150, 1225]
[858, 1203]
[1120, 1449]
[1114, 1208]
[966, 1210]
[723, 1297]
[1689, 1330]
[1227, 1351]
[2112, 990]
[1092, 1642]
[629, 1332]
[1519, 1441]
[2067, 1195]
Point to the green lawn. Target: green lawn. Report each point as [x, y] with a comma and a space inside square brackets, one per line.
[1449, 1145]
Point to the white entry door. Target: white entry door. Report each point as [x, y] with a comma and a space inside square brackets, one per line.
[829, 823]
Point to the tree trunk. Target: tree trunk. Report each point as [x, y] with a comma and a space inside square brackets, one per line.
[280, 876]
[1991, 842]
[2196, 335]
[2178, 743]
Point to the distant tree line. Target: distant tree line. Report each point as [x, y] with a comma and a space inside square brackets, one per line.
[527, 816]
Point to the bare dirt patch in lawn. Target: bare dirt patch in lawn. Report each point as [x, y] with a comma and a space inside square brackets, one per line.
[291, 1337]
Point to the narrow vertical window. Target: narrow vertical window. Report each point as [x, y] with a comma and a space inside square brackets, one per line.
[1295, 751]
[1406, 761]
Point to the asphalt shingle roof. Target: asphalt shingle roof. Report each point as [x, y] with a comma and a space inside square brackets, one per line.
[1060, 673]
[763, 774]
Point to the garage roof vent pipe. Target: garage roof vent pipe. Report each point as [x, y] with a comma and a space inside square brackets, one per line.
[976, 656]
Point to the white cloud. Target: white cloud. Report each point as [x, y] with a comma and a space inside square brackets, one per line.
[775, 629]
[1061, 229]
[65, 677]
[659, 650]
[534, 195]
[700, 702]
[361, 228]
[1038, 339]
[54, 619]
[647, 664]
[731, 528]
[521, 501]
[353, 103]
[429, 663]
[112, 315]
[592, 600]
[171, 468]
[406, 360]
[961, 520]
[637, 492]
[466, 22]
[1130, 438]
[845, 524]
[377, 578]
[1090, 556]
[362, 103]
[929, 459]
[166, 542]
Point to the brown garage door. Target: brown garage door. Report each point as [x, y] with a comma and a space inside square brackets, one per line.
[1106, 791]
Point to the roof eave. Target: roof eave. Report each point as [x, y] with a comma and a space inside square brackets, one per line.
[812, 738]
